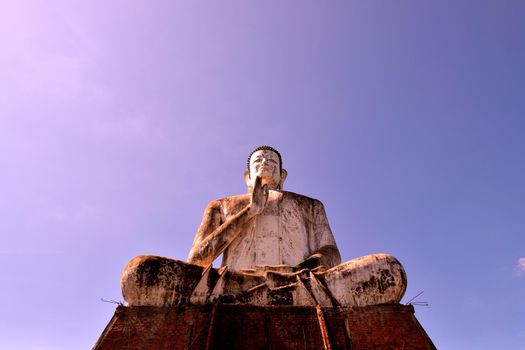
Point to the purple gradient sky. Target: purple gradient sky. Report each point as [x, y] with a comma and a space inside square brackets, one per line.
[120, 120]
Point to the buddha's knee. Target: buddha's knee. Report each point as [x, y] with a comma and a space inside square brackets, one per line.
[159, 281]
[368, 280]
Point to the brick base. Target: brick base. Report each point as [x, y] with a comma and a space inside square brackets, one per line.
[379, 327]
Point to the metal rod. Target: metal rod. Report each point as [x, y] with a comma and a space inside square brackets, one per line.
[322, 325]
[211, 327]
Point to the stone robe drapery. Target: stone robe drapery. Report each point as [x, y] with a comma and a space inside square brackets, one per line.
[290, 229]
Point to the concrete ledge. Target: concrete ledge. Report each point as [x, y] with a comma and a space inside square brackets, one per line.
[224, 326]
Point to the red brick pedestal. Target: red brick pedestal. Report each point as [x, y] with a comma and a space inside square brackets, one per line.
[378, 327]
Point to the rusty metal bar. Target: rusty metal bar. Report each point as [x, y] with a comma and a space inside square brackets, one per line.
[211, 327]
[322, 326]
[347, 333]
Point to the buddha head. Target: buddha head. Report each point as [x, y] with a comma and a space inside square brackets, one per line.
[265, 162]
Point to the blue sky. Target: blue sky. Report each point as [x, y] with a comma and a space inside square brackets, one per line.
[120, 120]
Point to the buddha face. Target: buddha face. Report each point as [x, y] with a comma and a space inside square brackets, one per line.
[265, 163]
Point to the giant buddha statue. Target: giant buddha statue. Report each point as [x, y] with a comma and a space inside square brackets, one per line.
[277, 249]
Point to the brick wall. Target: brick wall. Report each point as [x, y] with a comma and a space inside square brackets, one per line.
[380, 327]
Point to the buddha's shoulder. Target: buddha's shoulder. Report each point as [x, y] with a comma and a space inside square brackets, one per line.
[244, 199]
[301, 199]
[230, 201]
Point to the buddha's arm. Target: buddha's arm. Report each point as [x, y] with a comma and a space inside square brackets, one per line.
[209, 245]
[328, 256]
[213, 237]
[322, 243]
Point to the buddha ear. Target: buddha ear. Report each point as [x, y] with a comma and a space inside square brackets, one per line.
[247, 177]
[284, 174]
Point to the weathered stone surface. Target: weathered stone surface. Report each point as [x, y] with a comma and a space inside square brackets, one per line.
[290, 229]
[278, 249]
[380, 327]
[159, 281]
[368, 280]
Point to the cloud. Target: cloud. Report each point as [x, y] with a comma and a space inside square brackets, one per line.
[520, 268]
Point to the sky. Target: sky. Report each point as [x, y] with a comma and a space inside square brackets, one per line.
[120, 121]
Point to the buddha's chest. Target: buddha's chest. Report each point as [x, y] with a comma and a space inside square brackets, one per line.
[279, 233]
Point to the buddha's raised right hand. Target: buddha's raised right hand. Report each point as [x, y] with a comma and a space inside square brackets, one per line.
[259, 197]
